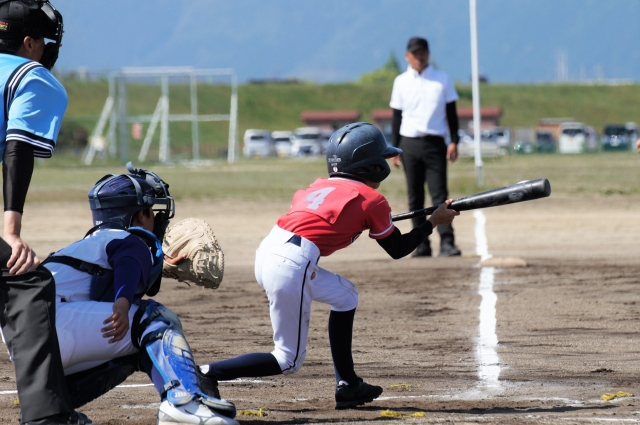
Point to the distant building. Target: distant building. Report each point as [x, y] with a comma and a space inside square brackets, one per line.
[329, 120]
[382, 118]
[552, 125]
[490, 117]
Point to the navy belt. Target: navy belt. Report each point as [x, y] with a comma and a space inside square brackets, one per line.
[296, 240]
[426, 137]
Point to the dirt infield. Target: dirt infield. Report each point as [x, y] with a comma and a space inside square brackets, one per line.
[566, 324]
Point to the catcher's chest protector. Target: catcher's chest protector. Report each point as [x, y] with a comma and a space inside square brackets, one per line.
[102, 279]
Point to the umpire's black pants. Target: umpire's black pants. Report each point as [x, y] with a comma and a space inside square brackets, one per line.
[29, 327]
[425, 159]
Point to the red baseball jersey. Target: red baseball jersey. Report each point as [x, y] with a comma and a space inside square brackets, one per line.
[333, 213]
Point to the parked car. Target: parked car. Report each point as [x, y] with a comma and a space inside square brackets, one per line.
[282, 141]
[545, 143]
[258, 143]
[632, 131]
[325, 135]
[591, 144]
[488, 145]
[306, 141]
[573, 137]
[502, 136]
[522, 146]
[616, 137]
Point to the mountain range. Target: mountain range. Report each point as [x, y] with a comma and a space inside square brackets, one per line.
[330, 41]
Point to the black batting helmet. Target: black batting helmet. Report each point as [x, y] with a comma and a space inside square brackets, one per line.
[33, 18]
[359, 151]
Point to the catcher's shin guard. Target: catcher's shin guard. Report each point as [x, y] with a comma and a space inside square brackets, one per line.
[163, 345]
[171, 355]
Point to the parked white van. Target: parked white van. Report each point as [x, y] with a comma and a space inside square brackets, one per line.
[283, 141]
[306, 141]
[572, 137]
[258, 143]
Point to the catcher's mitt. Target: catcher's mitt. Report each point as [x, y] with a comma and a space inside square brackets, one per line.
[204, 264]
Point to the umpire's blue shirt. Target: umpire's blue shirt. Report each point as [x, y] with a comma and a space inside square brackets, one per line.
[34, 103]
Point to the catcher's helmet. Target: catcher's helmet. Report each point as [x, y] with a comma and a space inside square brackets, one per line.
[116, 198]
[34, 18]
[359, 151]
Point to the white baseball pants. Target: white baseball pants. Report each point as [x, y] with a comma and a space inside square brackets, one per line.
[287, 268]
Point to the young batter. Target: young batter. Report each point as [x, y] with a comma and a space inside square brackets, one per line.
[327, 216]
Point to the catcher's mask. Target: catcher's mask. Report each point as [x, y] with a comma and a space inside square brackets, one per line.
[36, 19]
[116, 198]
[359, 151]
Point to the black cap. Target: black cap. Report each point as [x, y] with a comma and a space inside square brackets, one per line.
[416, 43]
[19, 18]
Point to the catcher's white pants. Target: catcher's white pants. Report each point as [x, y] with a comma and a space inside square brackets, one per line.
[81, 343]
[292, 279]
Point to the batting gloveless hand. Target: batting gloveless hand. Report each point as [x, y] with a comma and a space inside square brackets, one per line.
[204, 264]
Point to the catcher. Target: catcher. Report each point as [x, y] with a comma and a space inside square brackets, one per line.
[106, 329]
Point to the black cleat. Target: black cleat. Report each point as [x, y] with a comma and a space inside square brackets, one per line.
[351, 396]
[423, 250]
[208, 385]
[449, 250]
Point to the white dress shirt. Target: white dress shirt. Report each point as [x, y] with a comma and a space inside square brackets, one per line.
[422, 98]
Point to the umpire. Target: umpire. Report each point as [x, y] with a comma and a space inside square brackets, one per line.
[33, 103]
[424, 109]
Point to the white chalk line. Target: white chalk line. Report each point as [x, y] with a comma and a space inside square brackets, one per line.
[487, 341]
[482, 246]
[140, 406]
[134, 385]
[235, 381]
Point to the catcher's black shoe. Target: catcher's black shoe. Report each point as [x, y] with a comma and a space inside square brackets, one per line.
[348, 396]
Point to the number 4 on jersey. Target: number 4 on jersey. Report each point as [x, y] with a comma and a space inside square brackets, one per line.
[317, 197]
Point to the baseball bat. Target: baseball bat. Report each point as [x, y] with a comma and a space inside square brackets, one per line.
[520, 192]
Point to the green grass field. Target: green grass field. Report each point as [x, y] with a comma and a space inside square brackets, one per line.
[278, 106]
[610, 174]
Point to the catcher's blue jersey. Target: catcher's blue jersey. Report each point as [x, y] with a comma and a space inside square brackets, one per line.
[33, 104]
[105, 248]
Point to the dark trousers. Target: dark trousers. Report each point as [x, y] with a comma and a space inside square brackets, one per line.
[29, 328]
[425, 159]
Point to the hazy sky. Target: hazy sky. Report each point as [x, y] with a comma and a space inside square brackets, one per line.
[337, 40]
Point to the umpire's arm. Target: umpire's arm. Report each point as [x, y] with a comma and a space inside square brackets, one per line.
[17, 169]
[396, 121]
[452, 122]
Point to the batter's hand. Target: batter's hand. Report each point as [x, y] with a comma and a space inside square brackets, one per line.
[396, 161]
[22, 259]
[443, 215]
[452, 152]
[118, 322]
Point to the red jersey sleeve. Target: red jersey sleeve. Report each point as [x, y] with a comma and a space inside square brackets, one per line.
[379, 219]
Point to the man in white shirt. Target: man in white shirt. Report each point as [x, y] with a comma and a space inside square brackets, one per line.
[424, 110]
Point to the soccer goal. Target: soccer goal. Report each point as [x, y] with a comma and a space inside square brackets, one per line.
[111, 133]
